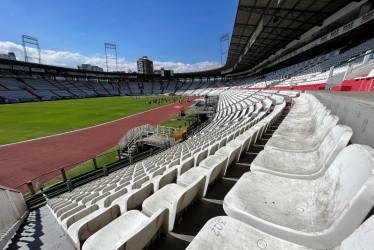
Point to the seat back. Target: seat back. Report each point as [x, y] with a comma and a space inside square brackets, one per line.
[213, 148]
[137, 184]
[327, 124]
[187, 164]
[200, 156]
[167, 178]
[334, 142]
[136, 198]
[345, 194]
[100, 221]
[361, 238]
[108, 200]
[196, 188]
[144, 234]
[81, 214]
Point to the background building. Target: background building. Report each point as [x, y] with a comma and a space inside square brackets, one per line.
[145, 66]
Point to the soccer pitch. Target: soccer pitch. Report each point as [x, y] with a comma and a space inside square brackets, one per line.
[25, 121]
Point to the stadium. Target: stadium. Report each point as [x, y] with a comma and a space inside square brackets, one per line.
[274, 149]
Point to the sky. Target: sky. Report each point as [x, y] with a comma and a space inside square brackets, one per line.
[180, 35]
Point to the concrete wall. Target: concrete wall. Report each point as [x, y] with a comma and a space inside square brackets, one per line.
[13, 211]
[354, 109]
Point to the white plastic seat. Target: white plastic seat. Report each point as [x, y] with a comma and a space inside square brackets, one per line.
[132, 230]
[167, 177]
[304, 165]
[90, 224]
[215, 161]
[231, 153]
[70, 212]
[227, 233]
[62, 210]
[192, 174]
[133, 198]
[175, 198]
[316, 213]
[185, 165]
[109, 199]
[70, 220]
[301, 144]
[200, 156]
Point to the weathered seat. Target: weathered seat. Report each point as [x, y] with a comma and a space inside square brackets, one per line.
[224, 232]
[133, 198]
[302, 144]
[185, 165]
[132, 230]
[192, 174]
[230, 152]
[304, 165]
[174, 197]
[90, 224]
[316, 213]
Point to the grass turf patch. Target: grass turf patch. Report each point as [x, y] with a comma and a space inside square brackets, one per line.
[25, 121]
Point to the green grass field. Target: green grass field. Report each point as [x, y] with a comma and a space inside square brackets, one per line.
[27, 121]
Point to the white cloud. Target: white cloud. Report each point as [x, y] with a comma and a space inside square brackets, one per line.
[71, 60]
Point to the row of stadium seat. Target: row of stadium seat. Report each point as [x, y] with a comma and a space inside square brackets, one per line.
[104, 200]
[306, 190]
[301, 192]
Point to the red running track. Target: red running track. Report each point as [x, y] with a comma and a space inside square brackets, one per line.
[24, 161]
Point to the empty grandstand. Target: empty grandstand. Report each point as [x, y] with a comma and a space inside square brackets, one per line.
[286, 160]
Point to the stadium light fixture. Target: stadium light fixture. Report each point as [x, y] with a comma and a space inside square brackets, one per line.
[223, 49]
[29, 40]
[111, 56]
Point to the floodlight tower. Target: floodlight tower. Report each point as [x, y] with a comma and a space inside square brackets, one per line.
[31, 41]
[222, 40]
[110, 55]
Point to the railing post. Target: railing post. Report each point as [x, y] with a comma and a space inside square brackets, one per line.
[63, 174]
[94, 162]
[130, 159]
[119, 154]
[31, 188]
[69, 184]
[105, 170]
[151, 151]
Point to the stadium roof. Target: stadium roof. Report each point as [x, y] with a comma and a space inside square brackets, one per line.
[272, 24]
